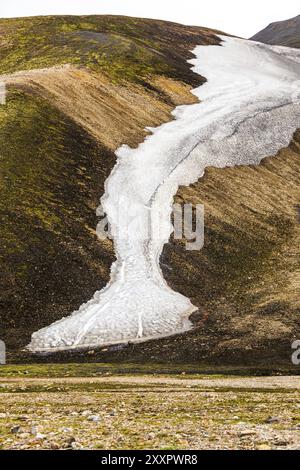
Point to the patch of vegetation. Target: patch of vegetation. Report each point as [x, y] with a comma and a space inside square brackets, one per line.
[126, 49]
[105, 369]
[51, 174]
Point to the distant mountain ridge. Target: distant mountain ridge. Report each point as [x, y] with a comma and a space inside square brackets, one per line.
[281, 33]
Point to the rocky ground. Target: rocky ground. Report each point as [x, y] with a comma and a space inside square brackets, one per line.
[96, 406]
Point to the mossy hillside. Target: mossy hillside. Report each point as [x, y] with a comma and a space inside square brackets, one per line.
[52, 175]
[124, 48]
[53, 171]
[245, 279]
[53, 262]
[233, 261]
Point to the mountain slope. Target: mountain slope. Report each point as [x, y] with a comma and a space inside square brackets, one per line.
[59, 129]
[246, 279]
[242, 98]
[281, 33]
[58, 133]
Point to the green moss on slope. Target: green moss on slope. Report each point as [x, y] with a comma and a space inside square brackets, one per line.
[52, 172]
[124, 48]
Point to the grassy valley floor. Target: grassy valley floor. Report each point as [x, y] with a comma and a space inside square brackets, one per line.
[129, 406]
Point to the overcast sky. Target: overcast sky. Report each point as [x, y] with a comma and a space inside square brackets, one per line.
[243, 18]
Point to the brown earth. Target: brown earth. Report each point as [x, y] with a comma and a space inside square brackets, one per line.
[112, 113]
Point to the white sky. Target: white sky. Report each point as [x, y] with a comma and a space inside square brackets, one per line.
[243, 18]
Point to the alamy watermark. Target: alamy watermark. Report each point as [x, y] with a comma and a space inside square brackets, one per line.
[296, 354]
[2, 353]
[139, 223]
[2, 93]
[188, 223]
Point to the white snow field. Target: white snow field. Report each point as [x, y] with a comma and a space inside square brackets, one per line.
[247, 110]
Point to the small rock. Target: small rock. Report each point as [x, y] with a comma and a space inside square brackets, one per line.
[34, 430]
[70, 441]
[23, 418]
[281, 443]
[54, 446]
[263, 447]
[272, 419]
[94, 418]
[76, 446]
[86, 413]
[15, 429]
[246, 432]
[40, 436]
[3, 415]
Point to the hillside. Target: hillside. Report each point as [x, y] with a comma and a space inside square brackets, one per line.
[68, 109]
[281, 33]
[84, 86]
